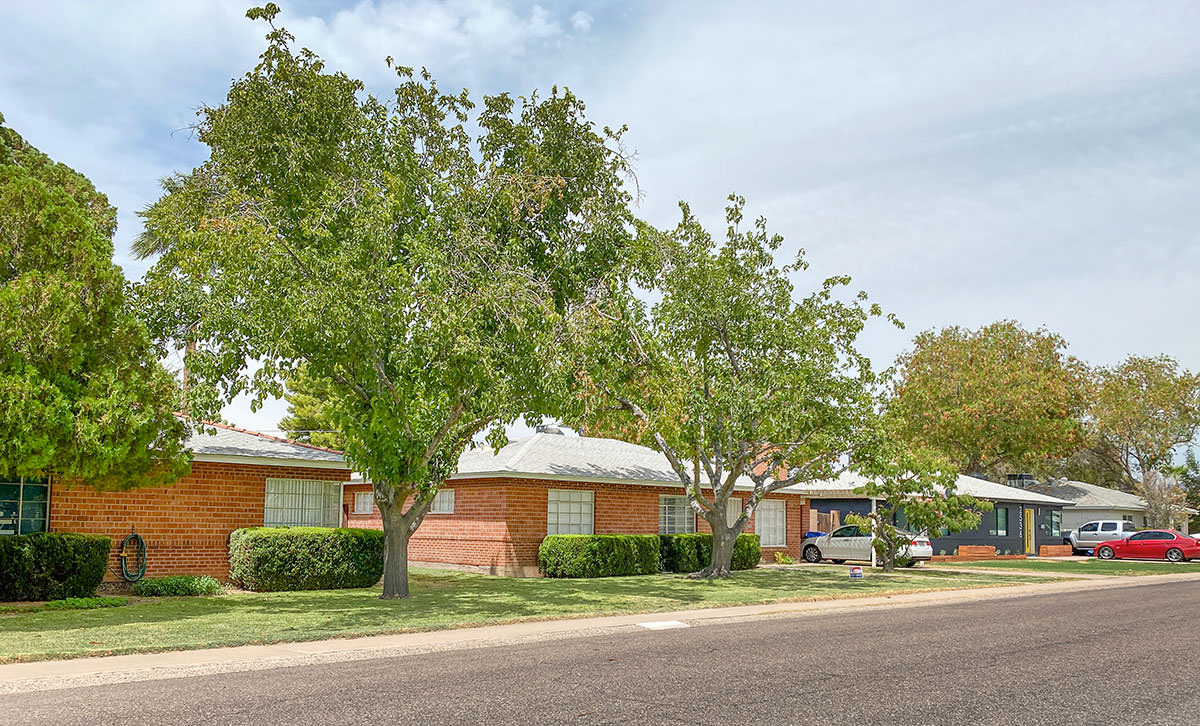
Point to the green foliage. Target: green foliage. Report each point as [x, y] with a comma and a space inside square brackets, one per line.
[86, 603]
[918, 484]
[177, 585]
[782, 558]
[598, 555]
[996, 400]
[692, 552]
[422, 259]
[52, 565]
[732, 373]
[1146, 413]
[82, 394]
[269, 559]
[309, 419]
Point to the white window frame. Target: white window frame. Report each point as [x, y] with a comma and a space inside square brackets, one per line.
[570, 511]
[773, 524]
[733, 510]
[302, 503]
[675, 515]
[443, 502]
[360, 498]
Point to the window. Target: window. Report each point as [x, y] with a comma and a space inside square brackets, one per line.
[364, 502]
[1055, 524]
[1001, 529]
[1126, 517]
[1128, 526]
[770, 522]
[1090, 527]
[1141, 536]
[569, 511]
[674, 515]
[733, 510]
[1145, 521]
[1108, 526]
[23, 506]
[302, 503]
[443, 502]
[852, 530]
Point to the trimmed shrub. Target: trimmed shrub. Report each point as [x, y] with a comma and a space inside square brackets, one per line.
[783, 558]
[86, 603]
[177, 585]
[598, 555]
[52, 565]
[747, 552]
[692, 552]
[270, 559]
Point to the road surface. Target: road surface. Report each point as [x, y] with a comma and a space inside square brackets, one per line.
[1117, 656]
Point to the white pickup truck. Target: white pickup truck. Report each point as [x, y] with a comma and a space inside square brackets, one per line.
[1093, 533]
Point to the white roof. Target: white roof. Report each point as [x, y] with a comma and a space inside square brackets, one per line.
[847, 482]
[221, 443]
[573, 458]
[1093, 496]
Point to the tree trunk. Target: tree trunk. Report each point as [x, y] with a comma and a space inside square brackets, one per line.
[722, 554]
[395, 553]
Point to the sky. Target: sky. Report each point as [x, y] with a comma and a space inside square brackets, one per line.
[963, 162]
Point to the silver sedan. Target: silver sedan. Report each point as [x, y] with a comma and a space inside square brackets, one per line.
[850, 543]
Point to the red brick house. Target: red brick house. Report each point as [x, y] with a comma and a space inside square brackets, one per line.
[238, 479]
[493, 514]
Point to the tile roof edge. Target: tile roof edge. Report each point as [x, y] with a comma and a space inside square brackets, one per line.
[268, 437]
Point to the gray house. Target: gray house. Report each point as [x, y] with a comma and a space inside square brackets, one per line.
[1021, 520]
[1096, 502]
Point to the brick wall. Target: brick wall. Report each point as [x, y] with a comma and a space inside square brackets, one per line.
[186, 526]
[499, 523]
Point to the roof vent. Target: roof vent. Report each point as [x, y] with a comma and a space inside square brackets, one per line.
[1020, 481]
[551, 429]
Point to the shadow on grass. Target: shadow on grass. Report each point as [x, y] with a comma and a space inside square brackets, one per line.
[439, 599]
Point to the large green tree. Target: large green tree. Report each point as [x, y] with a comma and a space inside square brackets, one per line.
[997, 400]
[733, 375]
[423, 265]
[309, 418]
[82, 393]
[1143, 423]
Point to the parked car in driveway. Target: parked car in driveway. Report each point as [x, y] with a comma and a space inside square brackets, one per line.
[1152, 544]
[1093, 533]
[850, 543]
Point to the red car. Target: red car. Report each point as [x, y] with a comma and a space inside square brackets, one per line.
[1153, 544]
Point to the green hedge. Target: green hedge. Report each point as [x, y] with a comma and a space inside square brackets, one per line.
[598, 555]
[270, 559]
[52, 565]
[692, 552]
[177, 585]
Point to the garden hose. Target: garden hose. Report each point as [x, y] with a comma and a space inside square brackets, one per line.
[133, 548]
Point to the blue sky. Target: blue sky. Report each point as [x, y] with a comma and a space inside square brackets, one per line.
[964, 162]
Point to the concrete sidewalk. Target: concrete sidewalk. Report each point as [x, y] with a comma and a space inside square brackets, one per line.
[46, 675]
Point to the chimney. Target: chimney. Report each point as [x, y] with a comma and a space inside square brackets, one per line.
[1020, 481]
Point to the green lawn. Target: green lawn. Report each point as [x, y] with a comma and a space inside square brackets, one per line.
[441, 599]
[1082, 567]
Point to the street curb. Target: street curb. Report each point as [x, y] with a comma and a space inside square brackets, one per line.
[81, 672]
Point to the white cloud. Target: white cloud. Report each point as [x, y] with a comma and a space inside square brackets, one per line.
[964, 162]
[581, 21]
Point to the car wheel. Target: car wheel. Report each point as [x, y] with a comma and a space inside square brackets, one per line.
[812, 554]
[1174, 555]
[1106, 553]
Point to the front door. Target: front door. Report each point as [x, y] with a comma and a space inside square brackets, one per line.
[1029, 549]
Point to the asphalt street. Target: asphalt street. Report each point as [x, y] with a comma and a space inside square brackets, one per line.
[1118, 656]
